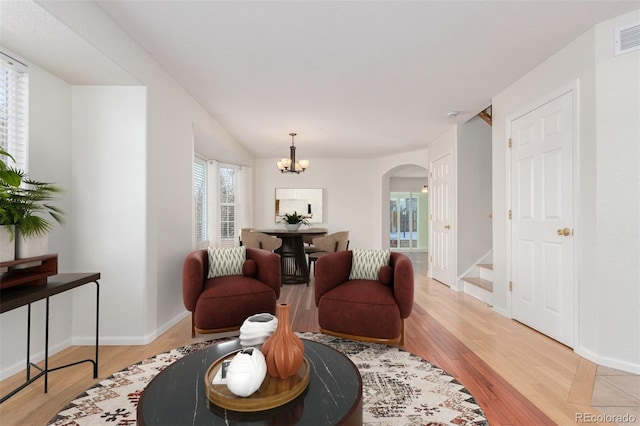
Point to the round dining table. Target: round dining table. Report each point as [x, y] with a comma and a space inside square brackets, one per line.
[293, 258]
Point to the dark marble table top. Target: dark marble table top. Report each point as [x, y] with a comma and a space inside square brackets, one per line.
[176, 396]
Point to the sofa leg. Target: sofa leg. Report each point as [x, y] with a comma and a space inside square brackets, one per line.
[193, 325]
[401, 342]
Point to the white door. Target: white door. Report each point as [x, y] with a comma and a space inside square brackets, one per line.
[441, 190]
[542, 219]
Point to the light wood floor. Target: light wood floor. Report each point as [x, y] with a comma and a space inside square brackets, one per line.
[517, 375]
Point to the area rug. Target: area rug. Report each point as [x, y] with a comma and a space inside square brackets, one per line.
[399, 388]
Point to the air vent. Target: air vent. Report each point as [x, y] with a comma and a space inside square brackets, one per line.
[627, 39]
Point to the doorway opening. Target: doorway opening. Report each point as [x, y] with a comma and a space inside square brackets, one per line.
[408, 221]
[405, 209]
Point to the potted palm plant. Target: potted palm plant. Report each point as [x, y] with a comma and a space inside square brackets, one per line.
[293, 221]
[26, 205]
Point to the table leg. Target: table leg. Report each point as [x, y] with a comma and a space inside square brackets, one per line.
[301, 260]
[95, 364]
[293, 260]
[46, 370]
[46, 347]
[28, 369]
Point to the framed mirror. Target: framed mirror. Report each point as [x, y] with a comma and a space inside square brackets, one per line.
[305, 201]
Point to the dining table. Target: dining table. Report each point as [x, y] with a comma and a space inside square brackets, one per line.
[293, 259]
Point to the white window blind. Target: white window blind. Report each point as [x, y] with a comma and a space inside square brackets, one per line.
[200, 189]
[14, 96]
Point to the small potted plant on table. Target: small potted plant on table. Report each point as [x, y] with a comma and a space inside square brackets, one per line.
[293, 221]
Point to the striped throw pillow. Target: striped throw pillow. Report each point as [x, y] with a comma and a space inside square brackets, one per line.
[226, 261]
[366, 264]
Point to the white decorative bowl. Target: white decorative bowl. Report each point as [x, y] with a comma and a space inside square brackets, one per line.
[257, 328]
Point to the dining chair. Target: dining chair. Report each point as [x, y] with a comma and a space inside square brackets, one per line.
[338, 241]
[308, 241]
[254, 239]
[243, 231]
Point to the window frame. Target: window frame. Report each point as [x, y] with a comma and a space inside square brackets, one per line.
[200, 193]
[14, 111]
[227, 227]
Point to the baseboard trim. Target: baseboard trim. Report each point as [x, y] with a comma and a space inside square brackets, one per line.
[90, 341]
[502, 312]
[35, 357]
[129, 340]
[608, 362]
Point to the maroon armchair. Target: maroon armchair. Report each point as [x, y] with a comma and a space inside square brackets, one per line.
[223, 303]
[370, 310]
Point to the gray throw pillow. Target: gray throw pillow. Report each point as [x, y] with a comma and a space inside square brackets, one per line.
[366, 264]
[226, 261]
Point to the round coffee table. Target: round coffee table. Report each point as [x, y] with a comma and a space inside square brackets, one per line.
[176, 396]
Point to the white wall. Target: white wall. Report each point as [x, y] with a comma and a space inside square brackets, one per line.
[608, 302]
[346, 199]
[618, 202]
[110, 205]
[474, 192]
[406, 184]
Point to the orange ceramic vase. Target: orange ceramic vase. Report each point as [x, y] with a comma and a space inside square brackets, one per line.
[283, 350]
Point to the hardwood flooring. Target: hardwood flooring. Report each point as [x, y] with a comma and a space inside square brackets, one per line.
[518, 376]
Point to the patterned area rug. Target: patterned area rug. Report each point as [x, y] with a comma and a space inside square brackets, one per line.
[399, 388]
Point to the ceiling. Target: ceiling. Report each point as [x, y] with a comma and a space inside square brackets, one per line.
[351, 78]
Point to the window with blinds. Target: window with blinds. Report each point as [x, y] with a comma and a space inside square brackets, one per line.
[200, 189]
[14, 95]
[228, 185]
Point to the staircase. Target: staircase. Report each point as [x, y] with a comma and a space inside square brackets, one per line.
[480, 286]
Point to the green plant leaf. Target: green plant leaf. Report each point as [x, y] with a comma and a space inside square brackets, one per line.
[10, 177]
[294, 218]
[27, 204]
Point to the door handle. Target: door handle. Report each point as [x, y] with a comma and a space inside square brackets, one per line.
[447, 227]
[564, 232]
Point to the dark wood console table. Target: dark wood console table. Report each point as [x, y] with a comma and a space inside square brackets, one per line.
[16, 297]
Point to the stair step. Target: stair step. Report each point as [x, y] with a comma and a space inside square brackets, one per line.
[479, 282]
[486, 265]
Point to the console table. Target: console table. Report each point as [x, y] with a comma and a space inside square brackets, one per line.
[16, 297]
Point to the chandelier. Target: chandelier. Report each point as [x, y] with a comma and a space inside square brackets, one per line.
[290, 164]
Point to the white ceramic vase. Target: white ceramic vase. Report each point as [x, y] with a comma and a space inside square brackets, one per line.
[246, 372]
[7, 244]
[31, 246]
